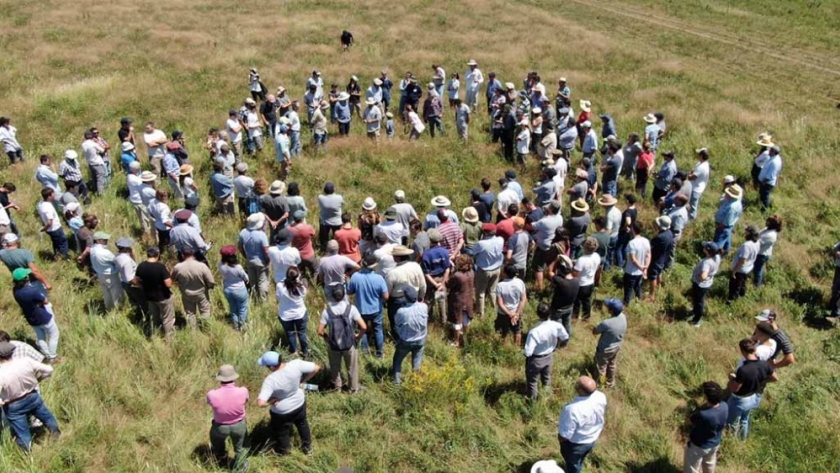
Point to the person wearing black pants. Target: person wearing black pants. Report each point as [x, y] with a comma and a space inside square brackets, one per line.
[638, 261]
[702, 279]
[744, 263]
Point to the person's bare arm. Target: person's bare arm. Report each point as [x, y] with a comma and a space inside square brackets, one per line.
[167, 282]
[39, 276]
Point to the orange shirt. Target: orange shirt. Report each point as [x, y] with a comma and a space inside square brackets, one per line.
[348, 243]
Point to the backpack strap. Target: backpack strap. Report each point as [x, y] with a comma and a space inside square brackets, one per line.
[347, 310]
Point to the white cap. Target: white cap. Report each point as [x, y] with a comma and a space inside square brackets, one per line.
[729, 179]
[10, 238]
[70, 154]
[399, 194]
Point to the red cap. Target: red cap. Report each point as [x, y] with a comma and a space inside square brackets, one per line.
[489, 228]
[228, 250]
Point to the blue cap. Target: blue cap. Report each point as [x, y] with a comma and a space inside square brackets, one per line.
[269, 358]
[711, 246]
[283, 128]
[410, 294]
[614, 305]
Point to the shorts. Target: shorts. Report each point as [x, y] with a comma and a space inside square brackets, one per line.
[542, 258]
[655, 271]
[503, 325]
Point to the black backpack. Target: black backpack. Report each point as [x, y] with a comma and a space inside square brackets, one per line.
[341, 336]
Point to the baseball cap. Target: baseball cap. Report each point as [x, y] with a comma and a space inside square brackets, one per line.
[20, 274]
[766, 315]
[614, 305]
[269, 358]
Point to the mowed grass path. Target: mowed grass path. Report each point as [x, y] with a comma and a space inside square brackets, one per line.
[131, 404]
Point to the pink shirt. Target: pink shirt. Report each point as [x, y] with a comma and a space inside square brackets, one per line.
[228, 403]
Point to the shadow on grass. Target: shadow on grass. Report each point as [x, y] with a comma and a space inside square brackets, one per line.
[379, 372]
[660, 465]
[495, 392]
[95, 307]
[203, 455]
[261, 438]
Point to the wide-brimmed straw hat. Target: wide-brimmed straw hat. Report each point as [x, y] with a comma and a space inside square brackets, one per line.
[472, 62]
[441, 201]
[400, 250]
[369, 204]
[277, 187]
[607, 200]
[734, 191]
[650, 118]
[185, 169]
[148, 176]
[586, 105]
[470, 215]
[580, 205]
[765, 141]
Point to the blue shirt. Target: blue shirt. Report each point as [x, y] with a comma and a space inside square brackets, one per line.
[369, 288]
[492, 86]
[488, 198]
[770, 172]
[652, 135]
[667, 172]
[222, 185]
[386, 89]
[435, 261]
[31, 300]
[48, 178]
[412, 322]
[342, 111]
[729, 212]
[590, 143]
[708, 424]
[254, 243]
[516, 187]
[489, 253]
[126, 159]
[171, 166]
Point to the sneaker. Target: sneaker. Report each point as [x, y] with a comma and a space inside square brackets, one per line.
[695, 324]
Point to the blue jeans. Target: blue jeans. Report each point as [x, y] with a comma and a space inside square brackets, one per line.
[435, 122]
[764, 191]
[320, 139]
[574, 454]
[59, 242]
[693, 202]
[402, 350]
[295, 147]
[394, 304]
[17, 415]
[611, 188]
[620, 251]
[739, 414]
[758, 269]
[612, 255]
[723, 238]
[374, 330]
[238, 301]
[296, 331]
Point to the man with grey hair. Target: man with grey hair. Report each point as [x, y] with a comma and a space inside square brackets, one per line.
[405, 213]
[334, 268]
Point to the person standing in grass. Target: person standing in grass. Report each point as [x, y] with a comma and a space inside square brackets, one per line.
[707, 424]
[161, 213]
[511, 299]
[414, 125]
[8, 136]
[489, 257]
[37, 311]
[411, 326]
[728, 213]
[433, 110]
[302, 236]
[70, 172]
[745, 386]
[292, 312]
[406, 273]
[52, 224]
[564, 292]
[540, 344]
[612, 331]
[454, 90]
[94, 157]
[580, 424]
[371, 292]
[282, 393]
[283, 255]
[348, 239]
[235, 286]
[644, 166]
[586, 269]
[156, 282]
[782, 339]
[769, 176]
[660, 250]
[320, 135]
[436, 265]
[743, 263]
[228, 403]
[195, 280]
[102, 262]
[460, 290]
[336, 327]
[473, 79]
[330, 205]
[702, 278]
[638, 262]
[14, 257]
[699, 177]
[253, 245]
[19, 383]
[767, 238]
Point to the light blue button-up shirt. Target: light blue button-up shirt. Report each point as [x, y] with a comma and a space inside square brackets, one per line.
[652, 134]
[101, 260]
[667, 172]
[770, 171]
[48, 178]
[590, 142]
[489, 253]
[412, 322]
[729, 212]
[516, 187]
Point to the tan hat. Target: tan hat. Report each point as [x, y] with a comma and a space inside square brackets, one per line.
[277, 187]
[562, 79]
[185, 169]
[650, 118]
[607, 200]
[472, 62]
[370, 101]
[148, 176]
[580, 205]
[734, 191]
[399, 194]
[227, 373]
[377, 81]
[581, 174]
[586, 105]
[765, 141]
[401, 250]
[470, 215]
[441, 201]
[280, 89]
[509, 86]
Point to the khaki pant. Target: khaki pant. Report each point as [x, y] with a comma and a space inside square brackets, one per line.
[485, 284]
[156, 164]
[112, 291]
[351, 360]
[196, 304]
[435, 304]
[606, 362]
[700, 460]
[143, 216]
[163, 313]
[258, 276]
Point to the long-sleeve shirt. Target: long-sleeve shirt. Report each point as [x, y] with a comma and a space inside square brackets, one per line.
[183, 236]
[20, 377]
[406, 274]
[47, 178]
[667, 172]
[729, 212]
[69, 170]
[102, 260]
[222, 185]
[770, 171]
[474, 79]
[412, 322]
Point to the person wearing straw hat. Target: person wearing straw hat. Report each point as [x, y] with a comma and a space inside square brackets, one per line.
[743, 263]
[473, 79]
[702, 278]
[275, 207]
[37, 311]
[406, 273]
[433, 111]
[584, 116]
[769, 176]
[728, 213]
[102, 262]
[141, 187]
[581, 423]
[282, 392]
[540, 344]
[372, 118]
[253, 245]
[577, 225]
[699, 177]
[661, 248]
[440, 202]
[765, 142]
[228, 403]
[652, 132]
[613, 217]
[343, 113]
[470, 229]
[374, 91]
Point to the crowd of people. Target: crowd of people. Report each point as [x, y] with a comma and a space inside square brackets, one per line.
[553, 243]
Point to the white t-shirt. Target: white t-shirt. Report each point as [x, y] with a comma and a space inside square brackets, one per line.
[338, 309]
[290, 307]
[416, 122]
[282, 260]
[91, 151]
[243, 186]
[155, 151]
[393, 230]
[161, 213]
[701, 170]
[47, 212]
[234, 130]
[640, 248]
[766, 239]
[523, 141]
[253, 121]
[284, 385]
[562, 168]
[587, 266]
[511, 291]
[134, 187]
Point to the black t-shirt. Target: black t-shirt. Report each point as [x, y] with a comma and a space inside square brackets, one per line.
[123, 134]
[484, 214]
[269, 111]
[4, 199]
[753, 375]
[625, 228]
[153, 275]
[783, 343]
[565, 292]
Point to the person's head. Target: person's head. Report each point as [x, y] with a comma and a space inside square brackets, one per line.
[457, 102]
[90, 221]
[680, 200]
[292, 281]
[463, 263]
[751, 233]
[271, 360]
[218, 167]
[600, 223]
[408, 107]
[188, 252]
[543, 311]
[4, 336]
[563, 265]
[774, 150]
[630, 199]
[509, 271]
[636, 228]
[614, 306]
[703, 154]
[8, 187]
[435, 237]
[47, 194]
[346, 218]
[149, 127]
[45, 159]
[646, 146]
[489, 230]
[332, 247]
[227, 254]
[585, 386]
[485, 184]
[329, 188]
[763, 332]
[747, 347]
[513, 210]
[713, 392]
[88, 134]
[528, 204]
[337, 293]
[590, 245]
[415, 227]
[5, 121]
[710, 248]
[7, 350]
[152, 252]
[774, 222]
[162, 195]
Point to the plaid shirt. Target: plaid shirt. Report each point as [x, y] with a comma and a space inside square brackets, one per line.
[69, 170]
[25, 350]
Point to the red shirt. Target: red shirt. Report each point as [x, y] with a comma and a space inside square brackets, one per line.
[505, 229]
[348, 243]
[645, 160]
[302, 234]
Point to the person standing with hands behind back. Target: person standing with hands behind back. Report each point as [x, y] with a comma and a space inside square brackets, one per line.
[228, 404]
[511, 299]
[337, 328]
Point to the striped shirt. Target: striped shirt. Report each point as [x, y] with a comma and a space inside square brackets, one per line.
[69, 171]
[783, 343]
[451, 236]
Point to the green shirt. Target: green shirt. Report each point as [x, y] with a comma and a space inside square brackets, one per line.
[472, 233]
[17, 258]
[603, 240]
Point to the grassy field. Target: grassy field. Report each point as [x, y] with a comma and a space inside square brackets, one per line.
[721, 72]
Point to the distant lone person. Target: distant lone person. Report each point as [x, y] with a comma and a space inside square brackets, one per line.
[346, 39]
